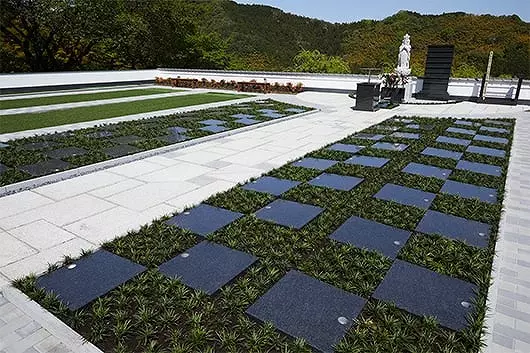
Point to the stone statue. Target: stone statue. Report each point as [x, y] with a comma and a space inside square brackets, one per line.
[404, 56]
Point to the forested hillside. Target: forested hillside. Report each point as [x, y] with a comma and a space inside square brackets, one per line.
[55, 35]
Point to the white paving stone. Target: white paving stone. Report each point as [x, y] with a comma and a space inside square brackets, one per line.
[12, 249]
[20, 202]
[41, 234]
[179, 172]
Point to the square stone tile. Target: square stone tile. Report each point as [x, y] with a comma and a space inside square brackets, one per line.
[442, 153]
[176, 130]
[304, 307]
[315, 163]
[247, 121]
[207, 266]
[470, 191]
[204, 219]
[453, 140]
[214, 128]
[372, 137]
[35, 146]
[288, 213]
[498, 122]
[457, 130]
[471, 232]
[127, 139]
[406, 135]
[212, 122]
[240, 116]
[497, 130]
[486, 138]
[388, 146]
[13, 249]
[427, 170]
[271, 185]
[367, 161]
[41, 234]
[121, 150]
[464, 122]
[405, 196]
[481, 168]
[3, 168]
[91, 277]
[273, 115]
[334, 181]
[493, 152]
[426, 293]
[343, 147]
[67, 152]
[371, 235]
[47, 167]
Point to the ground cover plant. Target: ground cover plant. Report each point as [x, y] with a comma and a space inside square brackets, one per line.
[29, 121]
[26, 158]
[153, 313]
[82, 97]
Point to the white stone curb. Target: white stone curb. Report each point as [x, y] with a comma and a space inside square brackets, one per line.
[71, 339]
[68, 174]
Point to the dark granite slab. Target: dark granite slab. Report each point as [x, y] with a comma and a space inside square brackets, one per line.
[247, 121]
[212, 122]
[457, 130]
[89, 278]
[465, 123]
[67, 152]
[481, 168]
[426, 293]
[35, 146]
[486, 138]
[427, 170]
[470, 191]
[204, 219]
[442, 153]
[498, 122]
[304, 307]
[267, 111]
[127, 139]
[271, 185]
[453, 140]
[405, 196]
[214, 128]
[372, 137]
[334, 181]
[453, 227]
[406, 135]
[388, 146]
[371, 235]
[273, 115]
[315, 163]
[207, 266]
[46, 167]
[288, 213]
[120, 151]
[493, 152]
[177, 130]
[367, 161]
[497, 130]
[343, 147]
[242, 116]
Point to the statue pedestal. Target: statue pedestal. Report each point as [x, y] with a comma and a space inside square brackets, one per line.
[409, 90]
[367, 98]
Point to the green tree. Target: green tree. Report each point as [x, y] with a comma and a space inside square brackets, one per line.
[314, 61]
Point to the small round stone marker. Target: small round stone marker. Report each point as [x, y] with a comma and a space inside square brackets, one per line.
[184, 255]
[397, 242]
[71, 266]
[342, 320]
[465, 304]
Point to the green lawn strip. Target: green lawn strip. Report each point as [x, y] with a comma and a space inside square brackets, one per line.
[150, 131]
[21, 122]
[85, 97]
[154, 314]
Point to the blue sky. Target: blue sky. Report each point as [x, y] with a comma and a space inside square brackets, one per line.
[354, 10]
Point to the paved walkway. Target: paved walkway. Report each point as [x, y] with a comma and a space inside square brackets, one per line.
[39, 226]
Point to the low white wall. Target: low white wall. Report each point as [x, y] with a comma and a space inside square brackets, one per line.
[457, 87]
[73, 78]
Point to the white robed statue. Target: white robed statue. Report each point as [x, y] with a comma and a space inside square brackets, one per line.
[404, 56]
